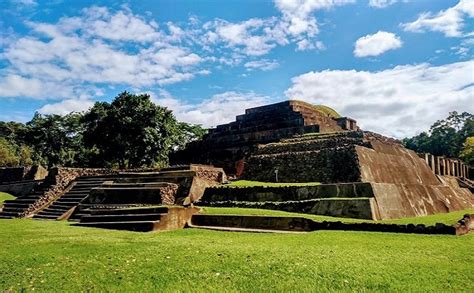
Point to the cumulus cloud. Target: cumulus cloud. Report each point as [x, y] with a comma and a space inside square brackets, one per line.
[298, 16]
[218, 109]
[80, 52]
[401, 101]
[450, 22]
[305, 45]
[100, 46]
[67, 106]
[376, 44]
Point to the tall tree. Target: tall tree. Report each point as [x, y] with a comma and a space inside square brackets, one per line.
[56, 138]
[131, 131]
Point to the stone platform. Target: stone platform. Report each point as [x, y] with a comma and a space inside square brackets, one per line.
[402, 183]
[228, 145]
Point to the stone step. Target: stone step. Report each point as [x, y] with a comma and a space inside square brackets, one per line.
[56, 210]
[83, 189]
[66, 203]
[139, 210]
[35, 197]
[25, 200]
[4, 217]
[85, 186]
[253, 222]
[48, 212]
[70, 198]
[74, 195]
[45, 217]
[137, 226]
[59, 206]
[10, 214]
[120, 218]
[15, 205]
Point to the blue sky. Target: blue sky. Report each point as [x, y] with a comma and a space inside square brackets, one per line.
[396, 66]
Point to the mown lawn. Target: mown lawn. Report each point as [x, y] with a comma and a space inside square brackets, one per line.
[53, 256]
[446, 218]
[5, 196]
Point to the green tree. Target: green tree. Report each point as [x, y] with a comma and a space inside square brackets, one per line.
[188, 133]
[445, 137]
[57, 139]
[467, 152]
[8, 156]
[131, 131]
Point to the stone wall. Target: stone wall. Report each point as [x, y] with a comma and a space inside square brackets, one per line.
[325, 158]
[11, 174]
[287, 193]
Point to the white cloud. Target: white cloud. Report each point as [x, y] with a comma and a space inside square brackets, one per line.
[450, 22]
[376, 44]
[381, 3]
[305, 45]
[220, 108]
[264, 65]
[67, 106]
[84, 51]
[400, 101]
[298, 14]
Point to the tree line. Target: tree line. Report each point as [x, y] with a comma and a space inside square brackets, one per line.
[129, 132]
[451, 137]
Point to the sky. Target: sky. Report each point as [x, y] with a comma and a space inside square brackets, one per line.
[396, 66]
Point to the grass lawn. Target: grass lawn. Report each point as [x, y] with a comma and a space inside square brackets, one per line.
[446, 218]
[249, 183]
[5, 196]
[53, 256]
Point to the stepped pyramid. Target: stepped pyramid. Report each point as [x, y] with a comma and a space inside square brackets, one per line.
[363, 174]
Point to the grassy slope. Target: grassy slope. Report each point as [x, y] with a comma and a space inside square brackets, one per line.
[54, 256]
[5, 196]
[273, 184]
[447, 218]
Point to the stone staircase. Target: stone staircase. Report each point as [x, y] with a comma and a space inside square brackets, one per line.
[15, 207]
[138, 219]
[80, 190]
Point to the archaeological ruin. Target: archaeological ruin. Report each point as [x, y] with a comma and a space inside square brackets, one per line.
[336, 169]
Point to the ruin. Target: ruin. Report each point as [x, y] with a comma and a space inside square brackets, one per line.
[228, 145]
[363, 174]
[354, 174]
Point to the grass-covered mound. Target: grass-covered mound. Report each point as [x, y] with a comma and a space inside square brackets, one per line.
[5, 196]
[53, 256]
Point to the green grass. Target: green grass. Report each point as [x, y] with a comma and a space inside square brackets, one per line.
[248, 183]
[446, 218]
[5, 196]
[262, 212]
[53, 256]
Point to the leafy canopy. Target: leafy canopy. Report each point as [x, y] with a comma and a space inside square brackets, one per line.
[445, 137]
